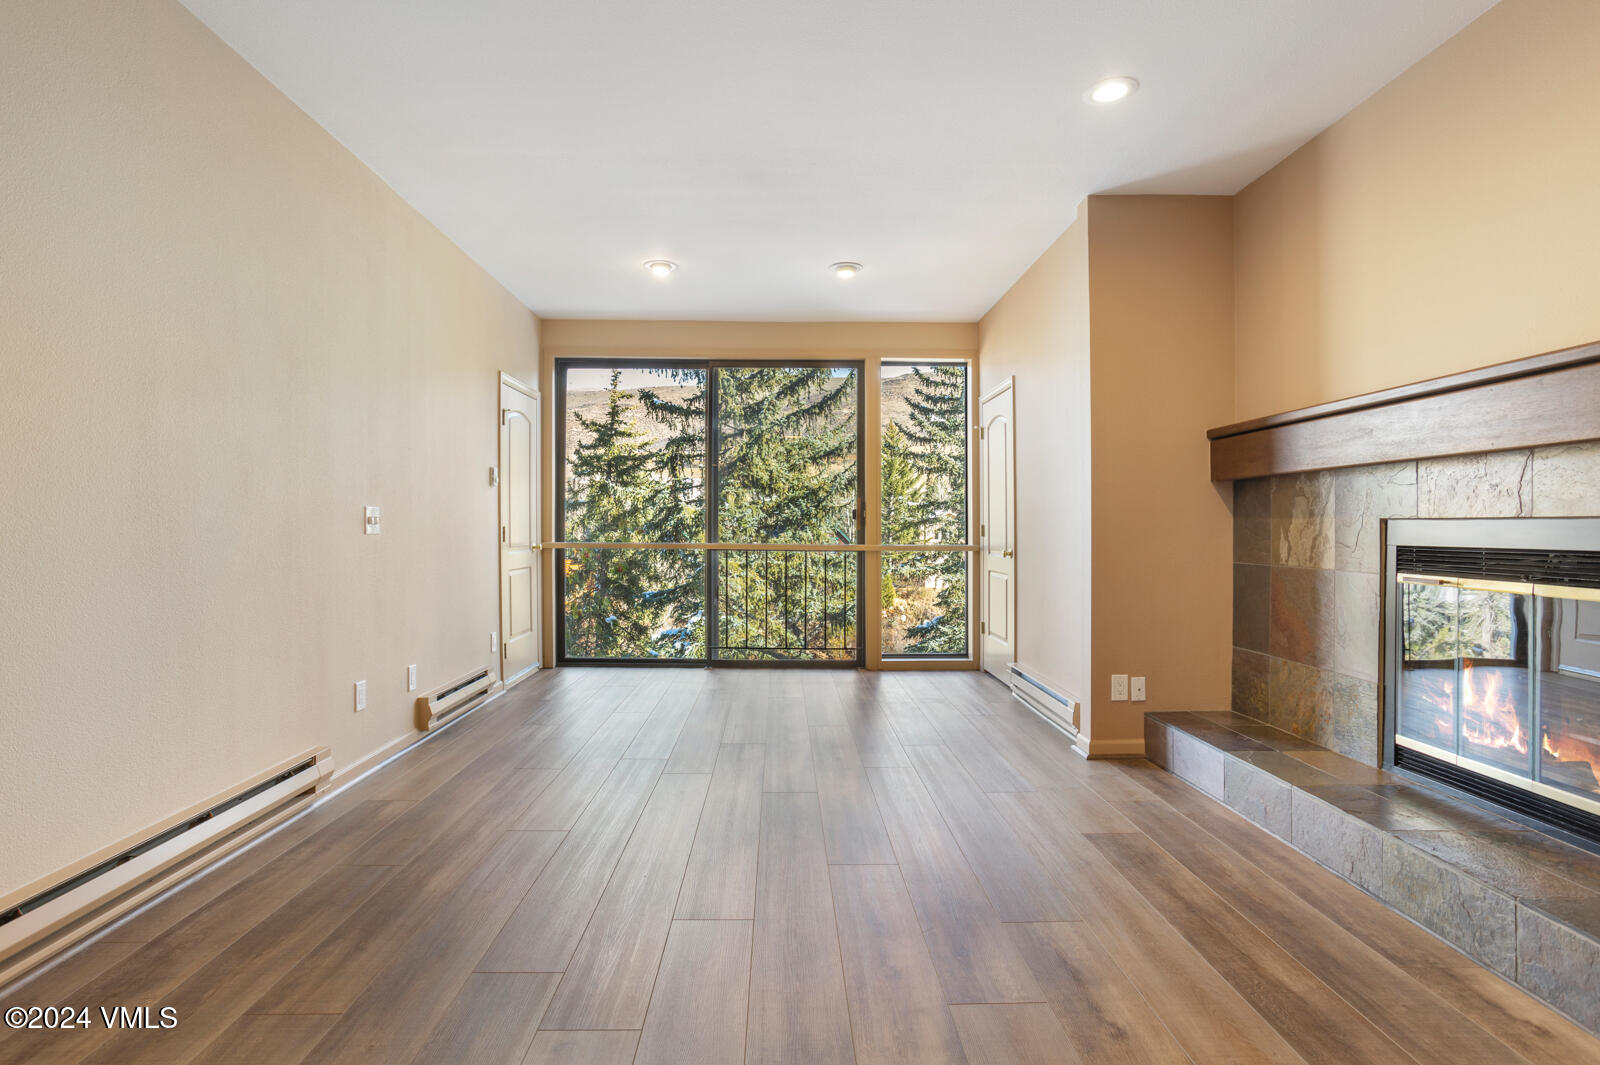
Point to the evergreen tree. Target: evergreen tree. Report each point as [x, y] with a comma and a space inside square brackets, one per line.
[676, 512]
[937, 433]
[900, 490]
[611, 610]
[787, 474]
[900, 485]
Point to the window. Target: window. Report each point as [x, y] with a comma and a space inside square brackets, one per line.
[923, 465]
[784, 444]
[633, 471]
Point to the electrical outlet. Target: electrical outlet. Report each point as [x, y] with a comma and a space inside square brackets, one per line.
[361, 695]
[494, 642]
[1136, 686]
[411, 678]
[1119, 687]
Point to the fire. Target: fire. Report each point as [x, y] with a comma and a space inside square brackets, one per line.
[1576, 752]
[1489, 715]
[1490, 720]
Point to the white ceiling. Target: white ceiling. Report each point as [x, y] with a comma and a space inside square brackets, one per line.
[943, 143]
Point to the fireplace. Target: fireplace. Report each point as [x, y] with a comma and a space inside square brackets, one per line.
[1492, 662]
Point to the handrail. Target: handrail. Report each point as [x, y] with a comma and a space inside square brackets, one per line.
[857, 548]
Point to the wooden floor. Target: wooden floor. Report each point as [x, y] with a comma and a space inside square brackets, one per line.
[679, 866]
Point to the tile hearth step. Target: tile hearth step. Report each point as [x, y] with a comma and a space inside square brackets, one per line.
[1518, 900]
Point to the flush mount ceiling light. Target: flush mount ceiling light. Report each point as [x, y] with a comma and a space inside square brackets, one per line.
[1110, 90]
[660, 267]
[846, 270]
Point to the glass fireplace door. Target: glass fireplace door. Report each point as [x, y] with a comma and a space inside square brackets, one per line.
[1568, 680]
[1502, 679]
[1466, 688]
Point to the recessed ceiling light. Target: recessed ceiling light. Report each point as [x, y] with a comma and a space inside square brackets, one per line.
[845, 271]
[660, 267]
[1110, 90]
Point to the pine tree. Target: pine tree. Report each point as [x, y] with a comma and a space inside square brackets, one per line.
[900, 489]
[787, 474]
[937, 435]
[900, 492]
[676, 512]
[611, 610]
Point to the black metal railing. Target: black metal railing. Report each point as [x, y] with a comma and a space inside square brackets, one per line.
[787, 605]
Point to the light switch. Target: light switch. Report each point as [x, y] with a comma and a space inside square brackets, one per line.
[374, 522]
[1119, 687]
[361, 695]
[411, 678]
[1137, 688]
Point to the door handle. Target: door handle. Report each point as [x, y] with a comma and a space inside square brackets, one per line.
[1007, 553]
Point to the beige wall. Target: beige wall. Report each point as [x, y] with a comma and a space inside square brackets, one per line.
[1038, 333]
[222, 337]
[869, 342]
[1161, 342]
[1451, 221]
[1121, 341]
[880, 340]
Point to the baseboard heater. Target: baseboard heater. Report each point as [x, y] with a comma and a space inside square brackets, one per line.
[42, 920]
[1060, 710]
[454, 699]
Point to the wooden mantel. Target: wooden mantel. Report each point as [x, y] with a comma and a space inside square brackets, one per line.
[1546, 399]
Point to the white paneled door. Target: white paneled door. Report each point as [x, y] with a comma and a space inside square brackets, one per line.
[997, 512]
[519, 530]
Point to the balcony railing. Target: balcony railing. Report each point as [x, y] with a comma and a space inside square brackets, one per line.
[779, 602]
[775, 603]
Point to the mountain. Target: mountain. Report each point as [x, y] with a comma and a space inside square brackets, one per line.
[591, 403]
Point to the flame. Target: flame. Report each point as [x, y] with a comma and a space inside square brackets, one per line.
[1489, 715]
[1489, 719]
[1567, 748]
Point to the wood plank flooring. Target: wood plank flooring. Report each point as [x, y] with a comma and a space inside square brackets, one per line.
[677, 867]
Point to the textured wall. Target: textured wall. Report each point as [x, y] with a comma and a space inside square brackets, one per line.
[222, 336]
[1307, 560]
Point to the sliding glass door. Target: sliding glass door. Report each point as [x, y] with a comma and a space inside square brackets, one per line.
[759, 459]
[788, 444]
[631, 469]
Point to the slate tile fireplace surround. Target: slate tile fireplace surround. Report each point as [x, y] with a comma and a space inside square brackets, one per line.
[1307, 575]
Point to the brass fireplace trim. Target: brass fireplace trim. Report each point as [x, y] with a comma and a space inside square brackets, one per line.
[1549, 591]
[1488, 769]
